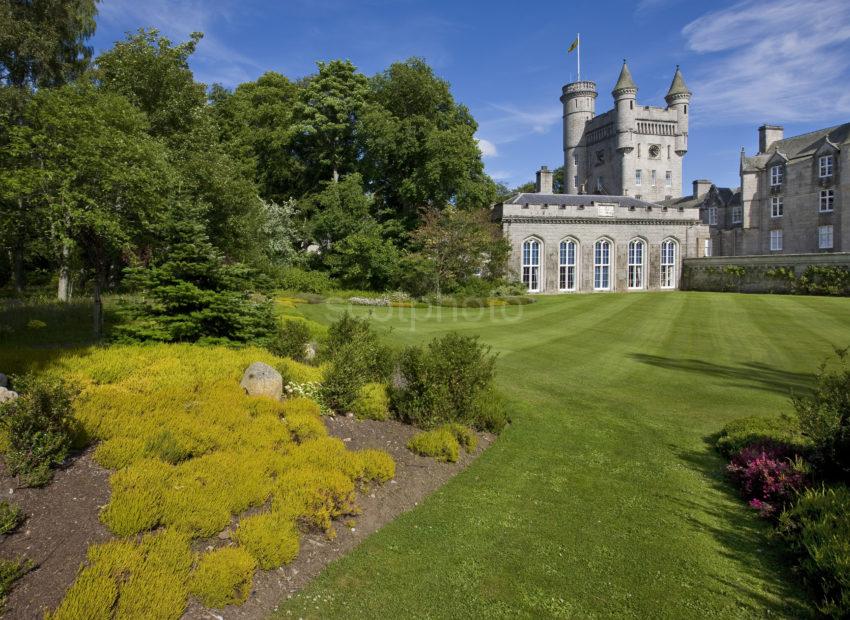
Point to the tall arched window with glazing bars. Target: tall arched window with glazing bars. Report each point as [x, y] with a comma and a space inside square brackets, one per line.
[602, 265]
[531, 265]
[567, 265]
[636, 263]
[668, 263]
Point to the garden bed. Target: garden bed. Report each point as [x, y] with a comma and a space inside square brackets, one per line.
[63, 521]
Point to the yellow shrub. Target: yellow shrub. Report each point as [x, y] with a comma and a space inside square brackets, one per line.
[147, 579]
[91, 597]
[303, 417]
[300, 405]
[223, 577]
[315, 496]
[270, 537]
[119, 452]
[439, 443]
[372, 402]
[298, 372]
[465, 436]
[137, 497]
[377, 465]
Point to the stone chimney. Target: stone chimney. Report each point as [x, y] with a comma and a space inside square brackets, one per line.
[768, 135]
[701, 187]
[544, 181]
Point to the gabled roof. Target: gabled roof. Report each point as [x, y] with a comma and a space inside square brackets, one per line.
[625, 81]
[805, 145]
[726, 196]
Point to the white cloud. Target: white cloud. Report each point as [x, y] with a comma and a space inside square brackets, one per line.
[772, 60]
[487, 148]
[214, 61]
[502, 175]
[510, 123]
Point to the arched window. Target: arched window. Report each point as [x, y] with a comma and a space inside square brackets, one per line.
[668, 264]
[567, 265]
[602, 265]
[636, 254]
[531, 265]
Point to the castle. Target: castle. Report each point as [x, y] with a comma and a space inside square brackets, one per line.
[631, 150]
[608, 232]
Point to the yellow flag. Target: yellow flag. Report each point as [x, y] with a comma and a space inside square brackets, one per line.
[573, 46]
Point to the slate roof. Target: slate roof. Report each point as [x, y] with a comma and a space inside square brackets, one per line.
[804, 145]
[625, 80]
[726, 195]
[678, 86]
[576, 200]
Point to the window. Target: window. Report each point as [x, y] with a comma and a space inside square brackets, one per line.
[737, 215]
[776, 176]
[575, 159]
[668, 264]
[668, 179]
[827, 200]
[825, 237]
[598, 184]
[636, 252]
[653, 174]
[712, 216]
[775, 240]
[575, 182]
[531, 265]
[602, 265]
[638, 177]
[825, 166]
[707, 247]
[776, 208]
[638, 150]
[567, 266]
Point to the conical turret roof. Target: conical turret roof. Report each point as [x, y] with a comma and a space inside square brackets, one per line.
[678, 86]
[625, 80]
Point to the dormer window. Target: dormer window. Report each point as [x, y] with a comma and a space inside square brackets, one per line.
[776, 175]
[825, 166]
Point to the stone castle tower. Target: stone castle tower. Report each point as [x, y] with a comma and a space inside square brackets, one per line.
[631, 150]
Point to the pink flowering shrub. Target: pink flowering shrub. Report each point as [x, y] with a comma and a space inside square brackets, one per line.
[768, 476]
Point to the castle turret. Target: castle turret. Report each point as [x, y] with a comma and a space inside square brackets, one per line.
[579, 99]
[625, 96]
[678, 98]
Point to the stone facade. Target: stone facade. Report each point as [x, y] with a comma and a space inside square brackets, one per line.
[547, 220]
[631, 150]
[794, 197]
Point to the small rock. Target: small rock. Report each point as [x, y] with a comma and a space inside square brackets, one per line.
[311, 350]
[4, 380]
[7, 396]
[347, 439]
[225, 535]
[262, 380]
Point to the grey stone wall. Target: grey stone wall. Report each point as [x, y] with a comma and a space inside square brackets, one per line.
[752, 274]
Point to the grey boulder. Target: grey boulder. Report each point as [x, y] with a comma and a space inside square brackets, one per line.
[262, 380]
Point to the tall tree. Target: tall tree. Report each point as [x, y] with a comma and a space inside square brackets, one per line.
[96, 175]
[419, 145]
[327, 114]
[42, 44]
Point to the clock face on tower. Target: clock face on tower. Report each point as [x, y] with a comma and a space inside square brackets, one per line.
[654, 151]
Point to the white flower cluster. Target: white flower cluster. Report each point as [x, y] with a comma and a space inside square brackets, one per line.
[310, 389]
[369, 301]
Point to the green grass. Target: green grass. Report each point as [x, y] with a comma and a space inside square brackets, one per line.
[603, 498]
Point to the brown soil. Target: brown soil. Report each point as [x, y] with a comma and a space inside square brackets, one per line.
[63, 521]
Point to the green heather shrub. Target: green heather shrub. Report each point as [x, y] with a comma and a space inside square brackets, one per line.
[305, 281]
[377, 466]
[465, 436]
[290, 340]
[167, 447]
[11, 516]
[743, 432]
[439, 443]
[10, 572]
[39, 427]
[223, 577]
[348, 330]
[817, 529]
[270, 537]
[490, 411]
[372, 402]
[136, 503]
[825, 418]
[118, 452]
[443, 381]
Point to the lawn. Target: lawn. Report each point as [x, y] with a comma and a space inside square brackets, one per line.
[603, 498]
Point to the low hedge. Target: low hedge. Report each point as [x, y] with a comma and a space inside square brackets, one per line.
[817, 529]
[760, 430]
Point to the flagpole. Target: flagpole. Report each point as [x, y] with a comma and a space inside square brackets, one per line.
[578, 58]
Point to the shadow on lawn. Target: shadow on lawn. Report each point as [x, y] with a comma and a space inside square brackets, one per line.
[745, 540]
[751, 374]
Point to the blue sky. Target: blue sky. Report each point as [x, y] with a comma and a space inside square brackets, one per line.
[750, 62]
